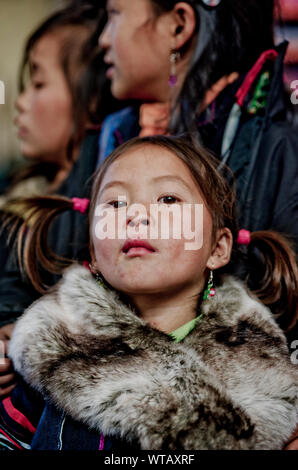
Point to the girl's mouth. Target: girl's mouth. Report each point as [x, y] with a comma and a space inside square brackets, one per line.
[110, 72]
[137, 247]
[22, 132]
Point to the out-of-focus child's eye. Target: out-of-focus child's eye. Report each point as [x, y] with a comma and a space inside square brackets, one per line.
[112, 12]
[38, 85]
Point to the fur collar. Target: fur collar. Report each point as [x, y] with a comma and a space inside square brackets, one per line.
[228, 385]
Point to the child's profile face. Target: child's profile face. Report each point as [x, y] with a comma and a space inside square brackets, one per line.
[44, 117]
[138, 49]
[157, 180]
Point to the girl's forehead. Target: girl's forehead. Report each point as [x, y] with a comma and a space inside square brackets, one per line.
[151, 158]
[147, 163]
[45, 50]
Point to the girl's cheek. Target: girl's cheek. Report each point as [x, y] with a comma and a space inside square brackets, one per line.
[105, 250]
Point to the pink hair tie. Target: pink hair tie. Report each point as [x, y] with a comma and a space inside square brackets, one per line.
[243, 237]
[80, 205]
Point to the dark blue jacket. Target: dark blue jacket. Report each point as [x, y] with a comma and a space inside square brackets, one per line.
[68, 237]
[263, 155]
[27, 421]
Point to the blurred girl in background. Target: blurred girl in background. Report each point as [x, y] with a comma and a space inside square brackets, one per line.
[209, 68]
[155, 345]
[59, 107]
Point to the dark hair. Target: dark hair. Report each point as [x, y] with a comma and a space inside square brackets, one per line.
[230, 38]
[79, 27]
[268, 265]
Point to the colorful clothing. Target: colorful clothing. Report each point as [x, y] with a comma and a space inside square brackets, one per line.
[246, 127]
[68, 237]
[229, 384]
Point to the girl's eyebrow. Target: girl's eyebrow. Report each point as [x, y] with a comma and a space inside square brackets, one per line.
[112, 183]
[156, 179]
[110, 3]
[176, 179]
[35, 67]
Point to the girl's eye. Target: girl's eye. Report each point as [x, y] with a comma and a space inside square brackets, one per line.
[117, 204]
[38, 85]
[111, 12]
[169, 199]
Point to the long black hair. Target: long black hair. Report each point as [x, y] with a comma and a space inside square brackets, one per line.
[267, 265]
[230, 38]
[82, 23]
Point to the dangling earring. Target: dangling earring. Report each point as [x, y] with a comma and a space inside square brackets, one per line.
[98, 276]
[209, 291]
[174, 57]
[99, 280]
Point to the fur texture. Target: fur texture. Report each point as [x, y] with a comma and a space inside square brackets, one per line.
[228, 385]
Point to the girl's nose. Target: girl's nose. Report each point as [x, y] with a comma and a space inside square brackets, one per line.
[136, 221]
[104, 38]
[133, 223]
[20, 103]
[138, 214]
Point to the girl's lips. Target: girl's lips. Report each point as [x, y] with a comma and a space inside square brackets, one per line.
[137, 247]
[22, 131]
[138, 251]
[110, 72]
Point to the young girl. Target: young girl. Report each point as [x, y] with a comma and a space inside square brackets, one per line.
[58, 104]
[159, 345]
[211, 68]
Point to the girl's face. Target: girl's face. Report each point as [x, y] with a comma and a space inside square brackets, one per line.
[154, 178]
[138, 49]
[44, 117]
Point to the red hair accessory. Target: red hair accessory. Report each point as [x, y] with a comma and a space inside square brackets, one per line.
[86, 264]
[80, 205]
[243, 237]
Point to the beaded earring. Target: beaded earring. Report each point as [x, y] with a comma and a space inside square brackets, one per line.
[98, 276]
[209, 291]
[174, 57]
[99, 280]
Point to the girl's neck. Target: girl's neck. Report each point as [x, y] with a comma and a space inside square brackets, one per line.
[167, 312]
[63, 171]
[60, 176]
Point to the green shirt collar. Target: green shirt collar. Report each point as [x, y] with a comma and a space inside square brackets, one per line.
[181, 332]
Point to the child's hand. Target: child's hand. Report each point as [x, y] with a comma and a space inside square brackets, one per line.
[293, 442]
[7, 375]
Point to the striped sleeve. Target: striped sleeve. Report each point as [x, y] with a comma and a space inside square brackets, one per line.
[19, 416]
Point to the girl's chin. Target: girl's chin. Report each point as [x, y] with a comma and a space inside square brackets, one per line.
[137, 287]
[119, 91]
[29, 153]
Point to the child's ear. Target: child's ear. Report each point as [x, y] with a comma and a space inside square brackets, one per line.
[93, 264]
[184, 24]
[221, 252]
[93, 267]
